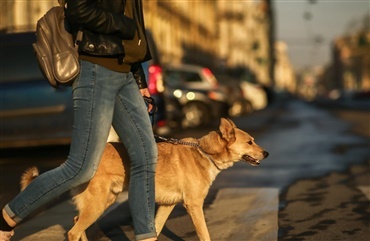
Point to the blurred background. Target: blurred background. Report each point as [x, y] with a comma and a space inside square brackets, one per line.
[210, 59]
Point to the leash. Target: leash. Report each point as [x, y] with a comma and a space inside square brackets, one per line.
[177, 141]
[187, 143]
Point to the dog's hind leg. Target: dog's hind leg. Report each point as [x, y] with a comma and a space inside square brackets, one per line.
[161, 217]
[87, 216]
[197, 216]
[90, 208]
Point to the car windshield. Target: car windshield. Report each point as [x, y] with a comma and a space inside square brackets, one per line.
[18, 63]
[178, 77]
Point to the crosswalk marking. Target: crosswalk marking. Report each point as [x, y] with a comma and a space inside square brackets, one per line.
[365, 190]
[244, 214]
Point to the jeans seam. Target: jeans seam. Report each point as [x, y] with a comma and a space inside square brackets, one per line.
[146, 162]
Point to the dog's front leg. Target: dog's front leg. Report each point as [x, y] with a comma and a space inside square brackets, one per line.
[197, 216]
[161, 217]
[83, 235]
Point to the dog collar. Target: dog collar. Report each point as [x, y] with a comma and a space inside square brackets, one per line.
[208, 157]
[193, 144]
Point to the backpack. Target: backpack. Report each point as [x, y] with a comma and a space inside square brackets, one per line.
[55, 50]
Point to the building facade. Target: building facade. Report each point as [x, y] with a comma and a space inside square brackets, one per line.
[349, 70]
[185, 31]
[285, 78]
[352, 60]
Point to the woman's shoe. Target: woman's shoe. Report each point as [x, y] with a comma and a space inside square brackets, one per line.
[6, 235]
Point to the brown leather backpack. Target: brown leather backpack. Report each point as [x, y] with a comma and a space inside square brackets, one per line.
[56, 52]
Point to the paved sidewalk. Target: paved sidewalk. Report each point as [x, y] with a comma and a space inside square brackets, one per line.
[51, 225]
[230, 217]
[231, 204]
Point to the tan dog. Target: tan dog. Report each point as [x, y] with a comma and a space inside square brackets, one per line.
[185, 172]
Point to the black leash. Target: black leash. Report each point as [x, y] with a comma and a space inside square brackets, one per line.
[177, 141]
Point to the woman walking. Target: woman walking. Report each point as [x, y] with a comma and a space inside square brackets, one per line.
[108, 91]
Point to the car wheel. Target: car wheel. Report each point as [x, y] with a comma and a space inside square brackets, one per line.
[237, 109]
[195, 115]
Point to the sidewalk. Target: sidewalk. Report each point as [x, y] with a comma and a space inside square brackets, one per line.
[253, 210]
[232, 204]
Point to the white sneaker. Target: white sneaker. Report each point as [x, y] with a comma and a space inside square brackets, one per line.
[6, 235]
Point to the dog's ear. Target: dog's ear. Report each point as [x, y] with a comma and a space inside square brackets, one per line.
[227, 130]
[231, 122]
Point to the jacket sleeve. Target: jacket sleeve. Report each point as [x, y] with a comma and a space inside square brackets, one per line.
[89, 15]
[139, 75]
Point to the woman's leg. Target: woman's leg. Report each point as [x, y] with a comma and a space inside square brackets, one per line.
[93, 99]
[132, 123]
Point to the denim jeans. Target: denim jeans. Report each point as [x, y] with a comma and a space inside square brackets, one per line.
[101, 98]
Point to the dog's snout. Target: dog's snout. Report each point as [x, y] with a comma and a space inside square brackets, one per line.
[265, 154]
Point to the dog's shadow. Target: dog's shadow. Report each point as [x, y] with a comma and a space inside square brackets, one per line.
[116, 225]
[47, 221]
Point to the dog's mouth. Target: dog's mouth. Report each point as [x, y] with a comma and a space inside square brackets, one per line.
[251, 160]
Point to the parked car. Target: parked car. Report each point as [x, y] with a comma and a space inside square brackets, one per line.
[194, 91]
[32, 112]
[253, 91]
[238, 105]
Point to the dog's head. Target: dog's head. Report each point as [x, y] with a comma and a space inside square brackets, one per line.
[240, 145]
[231, 145]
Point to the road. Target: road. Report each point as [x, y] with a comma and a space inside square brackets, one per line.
[313, 186]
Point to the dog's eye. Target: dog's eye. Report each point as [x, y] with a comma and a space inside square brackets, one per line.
[250, 142]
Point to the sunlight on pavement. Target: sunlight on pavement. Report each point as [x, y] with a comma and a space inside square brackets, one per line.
[365, 190]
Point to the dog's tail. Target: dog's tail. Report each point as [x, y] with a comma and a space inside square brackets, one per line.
[28, 176]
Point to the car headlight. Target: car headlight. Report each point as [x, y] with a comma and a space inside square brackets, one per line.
[190, 95]
[177, 93]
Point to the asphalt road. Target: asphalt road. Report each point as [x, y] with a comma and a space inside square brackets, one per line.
[313, 185]
[334, 205]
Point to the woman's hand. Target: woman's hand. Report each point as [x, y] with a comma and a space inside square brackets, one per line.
[145, 92]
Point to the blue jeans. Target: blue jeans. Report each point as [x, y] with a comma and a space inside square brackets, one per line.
[101, 98]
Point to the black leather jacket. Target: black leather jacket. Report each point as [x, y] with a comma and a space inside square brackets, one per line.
[105, 18]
